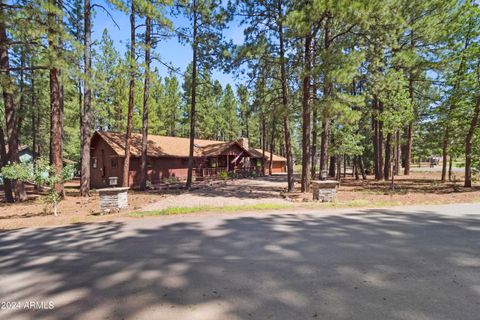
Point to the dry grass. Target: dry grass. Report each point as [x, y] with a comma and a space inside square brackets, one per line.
[417, 188]
[240, 195]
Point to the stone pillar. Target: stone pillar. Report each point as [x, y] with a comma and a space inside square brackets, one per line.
[324, 191]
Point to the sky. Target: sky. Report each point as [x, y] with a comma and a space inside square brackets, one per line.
[171, 51]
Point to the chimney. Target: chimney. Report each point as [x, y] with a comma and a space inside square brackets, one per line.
[244, 143]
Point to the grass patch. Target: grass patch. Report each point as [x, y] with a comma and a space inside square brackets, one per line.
[196, 209]
[337, 204]
[357, 203]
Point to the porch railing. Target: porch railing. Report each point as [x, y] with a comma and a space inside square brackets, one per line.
[238, 171]
[246, 171]
[212, 172]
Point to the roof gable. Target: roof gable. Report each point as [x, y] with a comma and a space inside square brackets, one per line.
[164, 146]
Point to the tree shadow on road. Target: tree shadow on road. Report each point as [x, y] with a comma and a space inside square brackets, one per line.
[381, 264]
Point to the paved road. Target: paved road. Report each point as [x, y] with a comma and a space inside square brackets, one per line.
[416, 263]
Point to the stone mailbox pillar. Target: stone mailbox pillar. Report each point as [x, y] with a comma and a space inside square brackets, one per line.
[324, 190]
[113, 198]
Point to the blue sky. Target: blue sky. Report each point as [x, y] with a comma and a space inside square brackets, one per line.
[171, 51]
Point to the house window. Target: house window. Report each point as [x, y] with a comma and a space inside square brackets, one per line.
[213, 162]
[114, 162]
[94, 163]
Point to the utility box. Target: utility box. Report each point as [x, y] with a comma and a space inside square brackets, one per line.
[112, 181]
[323, 175]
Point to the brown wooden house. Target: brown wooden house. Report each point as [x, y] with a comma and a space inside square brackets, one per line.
[167, 158]
[278, 163]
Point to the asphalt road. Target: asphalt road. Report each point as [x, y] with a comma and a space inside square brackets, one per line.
[415, 263]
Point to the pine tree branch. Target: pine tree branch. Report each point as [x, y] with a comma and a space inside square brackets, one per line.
[107, 12]
[13, 69]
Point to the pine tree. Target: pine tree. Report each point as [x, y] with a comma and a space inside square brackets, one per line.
[208, 19]
[86, 115]
[11, 111]
[56, 91]
[108, 92]
[171, 105]
[131, 95]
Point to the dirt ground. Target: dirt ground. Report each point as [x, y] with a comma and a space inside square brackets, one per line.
[418, 188]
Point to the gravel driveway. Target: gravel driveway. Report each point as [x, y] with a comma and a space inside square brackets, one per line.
[226, 193]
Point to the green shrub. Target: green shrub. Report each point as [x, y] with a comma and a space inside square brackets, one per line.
[42, 174]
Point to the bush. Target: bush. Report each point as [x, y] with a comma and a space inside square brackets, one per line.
[42, 175]
[223, 175]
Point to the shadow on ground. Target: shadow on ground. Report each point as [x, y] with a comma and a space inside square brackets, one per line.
[408, 185]
[251, 188]
[373, 264]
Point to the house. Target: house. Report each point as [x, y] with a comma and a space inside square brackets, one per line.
[167, 158]
[278, 162]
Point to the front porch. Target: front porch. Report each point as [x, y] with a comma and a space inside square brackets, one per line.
[237, 165]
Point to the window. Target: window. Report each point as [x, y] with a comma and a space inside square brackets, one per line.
[213, 162]
[114, 162]
[94, 163]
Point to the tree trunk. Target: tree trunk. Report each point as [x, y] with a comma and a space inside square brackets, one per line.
[450, 165]
[35, 120]
[131, 101]
[146, 94]
[446, 138]
[21, 105]
[7, 183]
[264, 145]
[247, 128]
[306, 117]
[468, 144]
[56, 157]
[380, 147]
[388, 157]
[80, 113]
[272, 141]
[397, 153]
[408, 148]
[355, 167]
[56, 130]
[325, 137]
[286, 127]
[332, 168]
[194, 97]
[375, 147]
[313, 170]
[86, 116]
[360, 165]
[339, 167]
[11, 115]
